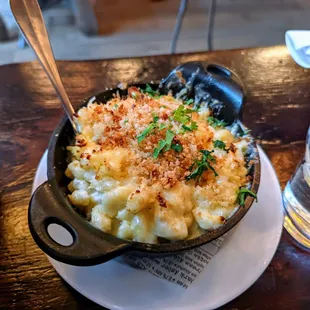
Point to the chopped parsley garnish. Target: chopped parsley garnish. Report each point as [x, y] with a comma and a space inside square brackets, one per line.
[157, 150]
[245, 132]
[125, 121]
[202, 165]
[177, 147]
[188, 101]
[185, 128]
[182, 114]
[164, 145]
[214, 122]
[146, 132]
[115, 106]
[162, 126]
[151, 92]
[243, 193]
[155, 117]
[148, 129]
[193, 126]
[220, 144]
[169, 137]
[164, 106]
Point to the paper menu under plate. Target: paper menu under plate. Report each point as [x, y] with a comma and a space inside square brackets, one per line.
[181, 269]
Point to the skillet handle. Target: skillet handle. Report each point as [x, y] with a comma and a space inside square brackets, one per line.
[90, 246]
[199, 80]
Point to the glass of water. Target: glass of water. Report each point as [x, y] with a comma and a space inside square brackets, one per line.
[296, 199]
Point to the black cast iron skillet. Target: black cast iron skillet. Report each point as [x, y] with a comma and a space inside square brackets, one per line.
[92, 246]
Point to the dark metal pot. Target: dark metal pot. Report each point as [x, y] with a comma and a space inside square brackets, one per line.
[91, 246]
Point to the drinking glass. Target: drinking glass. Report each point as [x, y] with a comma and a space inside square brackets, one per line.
[296, 200]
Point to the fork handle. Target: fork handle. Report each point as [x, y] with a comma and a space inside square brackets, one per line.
[28, 16]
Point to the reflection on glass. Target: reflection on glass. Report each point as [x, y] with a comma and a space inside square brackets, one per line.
[296, 199]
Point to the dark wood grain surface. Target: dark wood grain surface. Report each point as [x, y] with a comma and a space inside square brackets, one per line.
[277, 110]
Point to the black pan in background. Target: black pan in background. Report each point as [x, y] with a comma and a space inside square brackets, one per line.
[91, 246]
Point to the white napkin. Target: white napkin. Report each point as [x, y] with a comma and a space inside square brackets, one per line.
[298, 44]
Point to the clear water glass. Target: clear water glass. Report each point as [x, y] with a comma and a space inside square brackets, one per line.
[296, 200]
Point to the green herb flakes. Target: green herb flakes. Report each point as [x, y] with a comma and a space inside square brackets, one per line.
[148, 129]
[151, 92]
[214, 122]
[169, 137]
[188, 101]
[220, 144]
[177, 147]
[162, 126]
[185, 128]
[182, 114]
[157, 150]
[245, 132]
[146, 132]
[202, 165]
[243, 193]
[155, 117]
[193, 126]
[165, 145]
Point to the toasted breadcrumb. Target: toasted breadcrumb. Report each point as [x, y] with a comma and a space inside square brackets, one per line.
[121, 120]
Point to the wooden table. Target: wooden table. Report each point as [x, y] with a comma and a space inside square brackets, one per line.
[277, 110]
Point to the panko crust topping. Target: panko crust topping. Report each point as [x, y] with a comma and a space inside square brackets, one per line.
[150, 165]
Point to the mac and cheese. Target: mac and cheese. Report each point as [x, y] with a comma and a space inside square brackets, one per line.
[147, 167]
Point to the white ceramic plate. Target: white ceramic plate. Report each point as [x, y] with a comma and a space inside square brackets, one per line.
[242, 258]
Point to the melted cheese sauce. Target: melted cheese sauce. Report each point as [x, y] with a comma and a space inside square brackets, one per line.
[125, 191]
